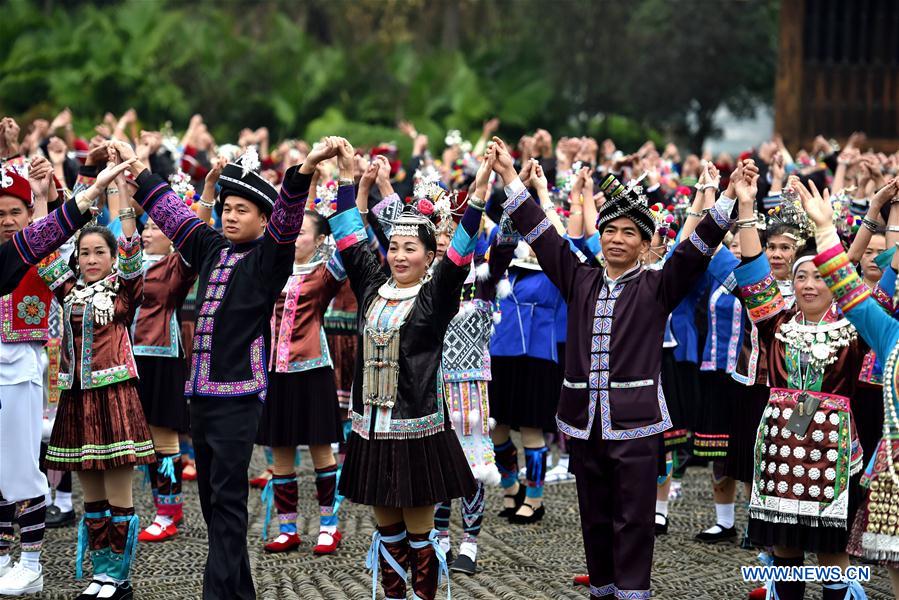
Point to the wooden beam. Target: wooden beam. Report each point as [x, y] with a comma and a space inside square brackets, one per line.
[789, 83]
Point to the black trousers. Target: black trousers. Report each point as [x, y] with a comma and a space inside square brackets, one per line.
[616, 490]
[223, 431]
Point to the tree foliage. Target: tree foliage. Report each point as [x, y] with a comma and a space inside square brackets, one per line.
[303, 68]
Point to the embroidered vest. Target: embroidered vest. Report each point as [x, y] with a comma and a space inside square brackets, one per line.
[25, 313]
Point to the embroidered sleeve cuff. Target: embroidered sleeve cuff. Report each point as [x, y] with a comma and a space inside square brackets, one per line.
[759, 290]
[514, 188]
[130, 262]
[54, 271]
[840, 276]
[348, 228]
[722, 210]
[461, 248]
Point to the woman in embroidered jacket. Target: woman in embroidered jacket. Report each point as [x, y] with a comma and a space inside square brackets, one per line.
[100, 431]
[301, 406]
[402, 458]
[875, 532]
[159, 354]
[807, 454]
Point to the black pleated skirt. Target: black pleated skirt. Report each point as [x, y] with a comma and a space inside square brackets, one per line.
[748, 407]
[716, 401]
[405, 473]
[300, 408]
[678, 385]
[524, 392]
[161, 390]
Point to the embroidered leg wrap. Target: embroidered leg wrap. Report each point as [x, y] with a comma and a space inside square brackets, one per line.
[326, 486]
[507, 463]
[7, 535]
[787, 590]
[31, 515]
[428, 565]
[389, 552]
[442, 516]
[843, 590]
[281, 492]
[535, 458]
[93, 535]
[473, 514]
[124, 527]
[168, 479]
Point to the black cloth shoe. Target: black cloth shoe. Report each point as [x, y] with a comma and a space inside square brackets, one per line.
[123, 591]
[464, 564]
[661, 528]
[725, 534]
[56, 518]
[86, 596]
[507, 512]
[535, 516]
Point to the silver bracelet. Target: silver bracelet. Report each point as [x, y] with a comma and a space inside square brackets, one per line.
[209, 205]
[893, 228]
[342, 182]
[112, 191]
[476, 203]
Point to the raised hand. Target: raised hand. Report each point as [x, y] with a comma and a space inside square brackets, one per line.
[818, 208]
[112, 170]
[746, 185]
[490, 127]
[325, 149]
[885, 194]
[40, 177]
[370, 175]
[345, 158]
[503, 164]
[215, 172]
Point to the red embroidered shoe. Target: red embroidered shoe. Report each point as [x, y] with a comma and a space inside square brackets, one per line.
[758, 593]
[285, 542]
[583, 580]
[189, 472]
[261, 481]
[327, 542]
[157, 533]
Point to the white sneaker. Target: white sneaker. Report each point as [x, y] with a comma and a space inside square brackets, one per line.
[21, 580]
[4, 569]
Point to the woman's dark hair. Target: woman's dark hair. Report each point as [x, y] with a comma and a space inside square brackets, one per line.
[103, 232]
[321, 223]
[427, 237]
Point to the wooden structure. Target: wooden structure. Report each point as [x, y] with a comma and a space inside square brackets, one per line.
[838, 71]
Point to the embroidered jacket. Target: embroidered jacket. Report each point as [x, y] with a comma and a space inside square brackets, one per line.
[298, 333]
[238, 284]
[157, 327]
[419, 408]
[613, 356]
[94, 355]
[725, 315]
[530, 314]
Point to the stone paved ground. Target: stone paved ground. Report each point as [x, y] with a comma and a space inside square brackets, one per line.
[516, 562]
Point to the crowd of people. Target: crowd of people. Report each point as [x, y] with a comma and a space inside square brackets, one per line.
[170, 303]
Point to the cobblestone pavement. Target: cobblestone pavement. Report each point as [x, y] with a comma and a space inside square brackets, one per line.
[516, 562]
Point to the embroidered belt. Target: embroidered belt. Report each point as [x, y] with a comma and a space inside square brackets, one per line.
[574, 385]
[631, 384]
